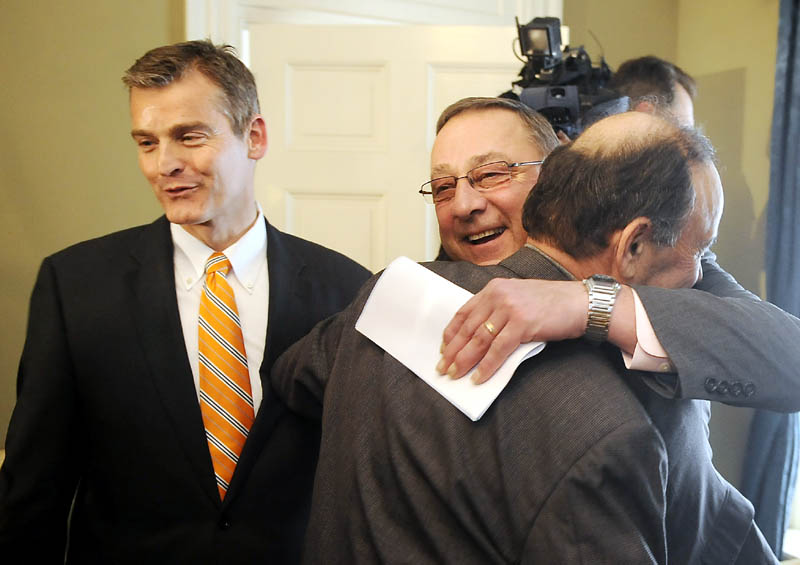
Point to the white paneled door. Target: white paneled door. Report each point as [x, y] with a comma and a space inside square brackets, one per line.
[351, 114]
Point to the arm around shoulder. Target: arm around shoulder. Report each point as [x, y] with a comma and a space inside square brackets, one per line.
[726, 344]
[300, 374]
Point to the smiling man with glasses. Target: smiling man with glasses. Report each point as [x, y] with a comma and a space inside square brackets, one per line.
[484, 162]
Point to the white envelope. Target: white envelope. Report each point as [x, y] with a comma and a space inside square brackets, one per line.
[406, 314]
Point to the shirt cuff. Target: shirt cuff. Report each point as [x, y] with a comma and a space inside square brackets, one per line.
[648, 355]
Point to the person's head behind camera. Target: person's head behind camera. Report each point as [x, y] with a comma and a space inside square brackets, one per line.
[657, 86]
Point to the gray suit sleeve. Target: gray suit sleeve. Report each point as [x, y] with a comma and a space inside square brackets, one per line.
[610, 508]
[726, 343]
[300, 374]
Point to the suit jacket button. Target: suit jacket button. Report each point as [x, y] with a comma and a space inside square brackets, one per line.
[737, 389]
[749, 389]
[711, 384]
[723, 388]
[224, 525]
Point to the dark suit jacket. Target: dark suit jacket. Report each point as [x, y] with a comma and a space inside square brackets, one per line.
[576, 462]
[726, 343]
[106, 403]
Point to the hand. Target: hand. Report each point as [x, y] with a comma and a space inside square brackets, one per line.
[505, 314]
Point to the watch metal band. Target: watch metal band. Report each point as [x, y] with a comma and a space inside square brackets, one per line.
[603, 291]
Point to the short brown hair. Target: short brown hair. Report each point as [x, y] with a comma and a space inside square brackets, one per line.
[651, 78]
[161, 66]
[539, 129]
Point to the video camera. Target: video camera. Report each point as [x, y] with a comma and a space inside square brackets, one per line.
[562, 85]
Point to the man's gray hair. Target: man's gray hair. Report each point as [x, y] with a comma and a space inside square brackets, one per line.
[539, 129]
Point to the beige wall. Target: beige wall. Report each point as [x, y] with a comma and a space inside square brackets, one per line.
[729, 47]
[623, 32]
[67, 164]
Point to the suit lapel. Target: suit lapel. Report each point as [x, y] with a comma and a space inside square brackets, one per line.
[155, 310]
[289, 294]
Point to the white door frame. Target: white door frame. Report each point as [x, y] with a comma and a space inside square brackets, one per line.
[226, 21]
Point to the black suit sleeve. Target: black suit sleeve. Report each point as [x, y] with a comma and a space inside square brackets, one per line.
[43, 446]
[726, 343]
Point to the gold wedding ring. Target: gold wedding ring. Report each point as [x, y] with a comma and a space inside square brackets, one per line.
[489, 327]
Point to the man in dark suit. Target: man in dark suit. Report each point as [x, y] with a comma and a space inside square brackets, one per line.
[577, 461]
[112, 455]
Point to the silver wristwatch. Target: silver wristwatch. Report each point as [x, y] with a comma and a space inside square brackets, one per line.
[603, 291]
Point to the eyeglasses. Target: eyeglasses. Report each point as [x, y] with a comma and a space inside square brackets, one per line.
[483, 178]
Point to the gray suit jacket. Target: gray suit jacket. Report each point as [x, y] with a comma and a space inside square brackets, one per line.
[566, 467]
[725, 343]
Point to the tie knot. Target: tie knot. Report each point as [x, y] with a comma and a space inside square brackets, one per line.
[218, 263]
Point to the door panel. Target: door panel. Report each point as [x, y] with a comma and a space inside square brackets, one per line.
[351, 114]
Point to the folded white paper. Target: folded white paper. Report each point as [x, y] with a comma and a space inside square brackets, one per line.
[406, 314]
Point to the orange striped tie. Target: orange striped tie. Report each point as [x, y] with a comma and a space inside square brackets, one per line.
[225, 397]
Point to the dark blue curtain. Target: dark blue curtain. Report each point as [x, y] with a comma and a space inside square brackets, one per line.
[771, 460]
[770, 472]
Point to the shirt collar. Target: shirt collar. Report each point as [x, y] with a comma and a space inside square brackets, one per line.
[247, 255]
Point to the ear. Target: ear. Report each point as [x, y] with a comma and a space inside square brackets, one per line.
[632, 242]
[646, 107]
[563, 137]
[257, 138]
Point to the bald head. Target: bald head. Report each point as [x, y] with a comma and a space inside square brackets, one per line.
[619, 133]
[625, 166]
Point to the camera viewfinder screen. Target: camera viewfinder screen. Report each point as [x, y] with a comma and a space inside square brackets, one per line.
[538, 41]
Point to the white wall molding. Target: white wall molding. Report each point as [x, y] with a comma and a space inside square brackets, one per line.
[226, 21]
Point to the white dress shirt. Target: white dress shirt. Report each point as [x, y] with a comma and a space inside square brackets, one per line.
[649, 355]
[249, 279]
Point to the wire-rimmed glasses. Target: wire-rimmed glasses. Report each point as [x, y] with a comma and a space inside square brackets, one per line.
[482, 178]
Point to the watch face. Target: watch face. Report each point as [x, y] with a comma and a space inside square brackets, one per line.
[603, 278]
